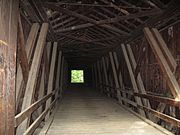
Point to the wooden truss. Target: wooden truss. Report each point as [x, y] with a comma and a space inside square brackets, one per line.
[142, 99]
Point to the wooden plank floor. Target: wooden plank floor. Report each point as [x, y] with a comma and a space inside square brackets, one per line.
[86, 112]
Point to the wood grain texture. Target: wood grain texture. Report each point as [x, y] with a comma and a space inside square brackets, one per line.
[86, 112]
[33, 75]
[9, 13]
[168, 74]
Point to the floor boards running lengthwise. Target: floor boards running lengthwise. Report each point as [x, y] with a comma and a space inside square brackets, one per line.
[86, 112]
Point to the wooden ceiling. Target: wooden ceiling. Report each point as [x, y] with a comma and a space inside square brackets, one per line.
[87, 29]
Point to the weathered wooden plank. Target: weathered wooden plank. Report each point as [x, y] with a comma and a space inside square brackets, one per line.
[58, 73]
[89, 112]
[115, 75]
[41, 87]
[82, 17]
[140, 58]
[109, 75]
[23, 60]
[139, 78]
[133, 80]
[167, 54]
[47, 61]
[169, 58]
[99, 74]
[105, 75]
[95, 75]
[30, 44]
[102, 23]
[27, 7]
[45, 75]
[122, 87]
[61, 77]
[118, 69]
[162, 116]
[28, 111]
[48, 123]
[33, 75]
[51, 75]
[171, 80]
[165, 100]
[9, 13]
[36, 123]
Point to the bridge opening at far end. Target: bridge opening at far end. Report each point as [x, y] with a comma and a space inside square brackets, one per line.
[77, 76]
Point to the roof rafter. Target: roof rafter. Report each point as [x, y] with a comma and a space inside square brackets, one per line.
[102, 23]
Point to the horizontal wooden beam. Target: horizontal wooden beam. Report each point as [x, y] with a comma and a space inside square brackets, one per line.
[36, 123]
[165, 100]
[171, 10]
[28, 111]
[87, 40]
[162, 116]
[102, 22]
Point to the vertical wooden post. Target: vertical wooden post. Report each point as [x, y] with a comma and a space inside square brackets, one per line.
[58, 73]
[45, 74]
[118, 68]
[95, 75]
[105, 74]
[115, 77]
[119, 75]
[99, 74]
[140, 83]
[41, 88]
[8, 44]
[133, 80]
[51, 75]
[61, 77]
[109, 75]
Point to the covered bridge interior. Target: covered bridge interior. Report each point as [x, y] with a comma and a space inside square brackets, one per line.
[128, 50]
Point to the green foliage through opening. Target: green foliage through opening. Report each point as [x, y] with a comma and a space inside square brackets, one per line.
[77, 76]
